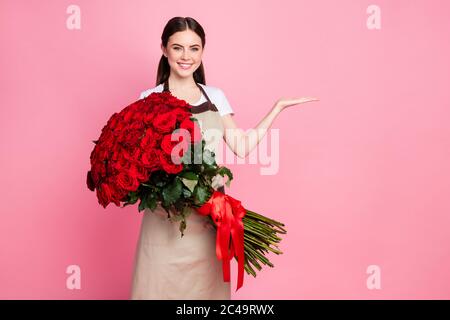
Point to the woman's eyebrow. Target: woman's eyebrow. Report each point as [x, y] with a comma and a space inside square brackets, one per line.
[194, 45]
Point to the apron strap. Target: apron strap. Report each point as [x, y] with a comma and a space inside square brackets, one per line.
[208, 105]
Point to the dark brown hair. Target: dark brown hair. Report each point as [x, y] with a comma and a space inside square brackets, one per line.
[174, 25]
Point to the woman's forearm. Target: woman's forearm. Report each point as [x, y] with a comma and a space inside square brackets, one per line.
[242, 143]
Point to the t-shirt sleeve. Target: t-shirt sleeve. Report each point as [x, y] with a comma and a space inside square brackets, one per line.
[224, 106]
[148, 92]
[144, 94]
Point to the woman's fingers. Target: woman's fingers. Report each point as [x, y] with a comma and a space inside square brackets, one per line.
[291, 102]
[308, 99]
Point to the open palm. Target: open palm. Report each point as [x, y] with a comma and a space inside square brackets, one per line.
[288, 102]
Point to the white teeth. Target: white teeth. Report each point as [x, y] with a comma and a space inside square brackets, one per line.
[184, 65]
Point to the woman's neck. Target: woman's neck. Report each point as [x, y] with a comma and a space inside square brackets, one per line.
[181, 84]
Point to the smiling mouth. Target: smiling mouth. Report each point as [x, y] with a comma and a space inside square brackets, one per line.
[185, 65]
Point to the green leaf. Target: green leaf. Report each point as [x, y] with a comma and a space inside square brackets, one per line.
[176, 217]
[152, 203]
[187, 211]
[201, 194]
[187, 193]
[190, 184]
[196, 168]
[179, 204]
[188, 175]
[166, 208]
[143, 203]
[208, 157]
[197, 153]
[159, 178]
[225, 171]
[172, 192]
[132, 197]
[187, 156]
[210, 170]
[182, 227]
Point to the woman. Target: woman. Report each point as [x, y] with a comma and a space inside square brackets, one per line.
[166, 265]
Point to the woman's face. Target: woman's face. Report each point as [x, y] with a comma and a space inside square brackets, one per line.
[184, 52]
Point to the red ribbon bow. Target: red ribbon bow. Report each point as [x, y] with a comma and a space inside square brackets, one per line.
[227, 214]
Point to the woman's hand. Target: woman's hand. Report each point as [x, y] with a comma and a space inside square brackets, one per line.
[283, 103]
[242, 143]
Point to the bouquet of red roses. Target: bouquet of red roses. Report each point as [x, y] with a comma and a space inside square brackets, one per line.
[153, 152]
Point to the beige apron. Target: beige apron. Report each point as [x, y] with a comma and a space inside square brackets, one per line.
[167, 266]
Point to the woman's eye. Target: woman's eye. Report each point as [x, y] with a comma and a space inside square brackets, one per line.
[195, 49]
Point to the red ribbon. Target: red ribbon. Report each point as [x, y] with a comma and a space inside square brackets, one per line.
[227, 214]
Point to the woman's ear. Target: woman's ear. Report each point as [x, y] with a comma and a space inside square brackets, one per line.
[163, 50]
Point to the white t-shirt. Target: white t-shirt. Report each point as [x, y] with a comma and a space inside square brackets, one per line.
[215, 94]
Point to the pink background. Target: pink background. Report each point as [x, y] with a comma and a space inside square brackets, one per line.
[364, 174]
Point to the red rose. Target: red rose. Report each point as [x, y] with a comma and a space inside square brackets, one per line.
[180, 144]
[165, 123]
[193, 128]
[121, 164]
[98, 172]
[132, 136]
[127, 114]
[142, 173]
[139, 172]
[181, 114]
[90, 182]
[161, 108]
[110, 170]
[168, 165]
[116, 152]
[148, 118]
[127, 180]
[107, 139]
[117, 194]
[138, 124]
[174, 101]
[150, 158]
[99, 154]
[132, 154]
[150, 139]
[104, 194]
[114, 120]
[119, 127]
[138, 117]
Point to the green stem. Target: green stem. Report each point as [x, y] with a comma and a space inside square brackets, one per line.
[259, 256]
[265, 219]
[259, 233]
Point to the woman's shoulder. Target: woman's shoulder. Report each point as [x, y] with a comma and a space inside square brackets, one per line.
[212, 90]
[145, 93]
[218, 97]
